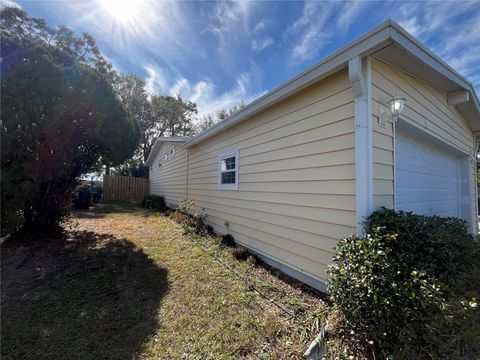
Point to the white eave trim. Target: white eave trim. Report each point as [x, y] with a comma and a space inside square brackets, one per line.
[160, 141]
[385, 34]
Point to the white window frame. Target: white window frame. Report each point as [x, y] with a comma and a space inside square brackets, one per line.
[228, 154]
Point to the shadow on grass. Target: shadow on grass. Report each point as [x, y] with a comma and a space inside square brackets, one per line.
[87, 297]
[100, 210]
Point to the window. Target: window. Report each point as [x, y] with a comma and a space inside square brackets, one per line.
[228, 170]
[172, 151]
[165, 157]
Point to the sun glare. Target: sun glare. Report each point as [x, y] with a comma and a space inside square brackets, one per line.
[121, 10]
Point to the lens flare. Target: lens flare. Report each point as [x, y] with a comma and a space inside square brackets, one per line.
[122, 10]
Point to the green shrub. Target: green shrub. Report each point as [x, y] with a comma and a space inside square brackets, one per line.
[187, 206]
[228, 240]
[409, 288]
[154, 202]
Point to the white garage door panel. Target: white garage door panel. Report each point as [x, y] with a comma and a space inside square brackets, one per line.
[426, 177]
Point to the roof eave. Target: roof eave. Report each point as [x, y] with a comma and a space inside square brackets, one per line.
[159, 141]
[383, 35]
[371, 41]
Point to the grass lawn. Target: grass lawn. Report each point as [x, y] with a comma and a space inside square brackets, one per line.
[125, 283]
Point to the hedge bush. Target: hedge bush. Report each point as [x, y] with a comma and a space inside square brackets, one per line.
[154, 202]
[409, 288]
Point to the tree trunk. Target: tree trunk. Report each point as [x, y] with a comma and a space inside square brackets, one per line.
[45, 212]
[39, 219]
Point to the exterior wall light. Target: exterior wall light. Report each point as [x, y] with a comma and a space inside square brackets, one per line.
[397, 104]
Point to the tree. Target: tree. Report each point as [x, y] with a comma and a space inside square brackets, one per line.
[174, 115]
[156, 115]
[131, 90]
[60, 115]
[208, 120]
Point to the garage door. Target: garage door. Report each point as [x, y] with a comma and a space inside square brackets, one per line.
[426, 177]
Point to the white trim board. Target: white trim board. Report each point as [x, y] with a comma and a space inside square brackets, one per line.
[359, 72]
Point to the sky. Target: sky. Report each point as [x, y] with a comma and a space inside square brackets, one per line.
[218, 54]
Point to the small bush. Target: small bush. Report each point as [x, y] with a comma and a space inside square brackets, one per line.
[409, 289]
[154, 202]
[187, 206]
[240, 253]
[209, 229]
[253, 259]
[194, 225]
[228, 240]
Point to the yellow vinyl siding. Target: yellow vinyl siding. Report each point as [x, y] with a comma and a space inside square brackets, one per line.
[170, 180]
[296, 193]
[427, 108]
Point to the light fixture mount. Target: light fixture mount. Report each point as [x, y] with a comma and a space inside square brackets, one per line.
[396, 104]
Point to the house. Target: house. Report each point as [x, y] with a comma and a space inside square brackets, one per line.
[303, 165]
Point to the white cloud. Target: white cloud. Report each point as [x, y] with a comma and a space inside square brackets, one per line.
[204, 92]
[318, 24]
[229, 22]
[157, 80]
[10, 3]
[260, 26]
[263, 43]
[311, 30]
[451, 29]
[163, 37]
[235, 24]
[348, 14]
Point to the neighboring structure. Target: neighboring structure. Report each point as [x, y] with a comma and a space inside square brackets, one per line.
[302, 166]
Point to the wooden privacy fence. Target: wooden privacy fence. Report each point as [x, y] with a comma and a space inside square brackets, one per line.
[124, 188]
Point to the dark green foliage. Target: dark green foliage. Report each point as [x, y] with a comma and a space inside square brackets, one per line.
[154, 202]
[228, 240]
[132, 168]
[59, 116]
[209, 229]
[240, 253]
[410, 287]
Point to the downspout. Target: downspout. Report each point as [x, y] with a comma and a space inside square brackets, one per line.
[359, 74]
[188, 169]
